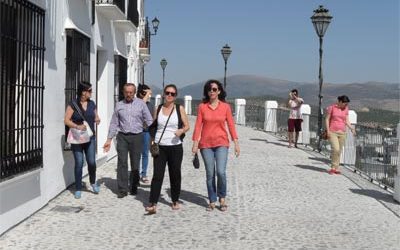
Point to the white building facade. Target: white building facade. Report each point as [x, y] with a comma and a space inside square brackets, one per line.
[47, 48]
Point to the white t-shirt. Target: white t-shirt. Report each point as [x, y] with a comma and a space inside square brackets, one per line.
[169, 138]
[295, 112]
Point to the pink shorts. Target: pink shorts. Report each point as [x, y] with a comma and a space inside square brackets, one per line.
[294, 125]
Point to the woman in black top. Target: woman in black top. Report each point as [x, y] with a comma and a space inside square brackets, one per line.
[73, 119]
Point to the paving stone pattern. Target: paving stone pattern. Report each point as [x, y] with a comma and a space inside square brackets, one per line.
[279, 198]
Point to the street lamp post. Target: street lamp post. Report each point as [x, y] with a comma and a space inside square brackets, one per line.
[226, 52]
[163, 64]
[320, 20]
[146, 42]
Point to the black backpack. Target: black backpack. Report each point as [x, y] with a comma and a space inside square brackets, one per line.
[153, 126]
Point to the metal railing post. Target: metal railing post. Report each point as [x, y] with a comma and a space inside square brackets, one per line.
[396, 194]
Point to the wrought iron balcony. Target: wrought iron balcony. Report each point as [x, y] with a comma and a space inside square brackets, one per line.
[112, 9]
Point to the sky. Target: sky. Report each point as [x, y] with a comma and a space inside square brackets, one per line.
[275, 39]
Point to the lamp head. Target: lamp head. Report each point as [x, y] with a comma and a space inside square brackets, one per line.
[321, 20]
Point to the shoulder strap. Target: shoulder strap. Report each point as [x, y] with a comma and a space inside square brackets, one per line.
[78, 110]
[158, 110]
[165, 123]
[178, 112]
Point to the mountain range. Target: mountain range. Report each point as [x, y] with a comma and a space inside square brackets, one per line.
[375, 95]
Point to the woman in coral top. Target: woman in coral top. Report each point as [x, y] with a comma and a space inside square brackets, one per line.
[211, 137]
[337, 118]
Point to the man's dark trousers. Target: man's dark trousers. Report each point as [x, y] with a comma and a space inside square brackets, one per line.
[131, 144]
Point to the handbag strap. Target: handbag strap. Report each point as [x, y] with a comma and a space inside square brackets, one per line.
[78, 110]
[165, 124]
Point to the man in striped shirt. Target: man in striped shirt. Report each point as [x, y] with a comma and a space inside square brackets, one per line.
[127, 124]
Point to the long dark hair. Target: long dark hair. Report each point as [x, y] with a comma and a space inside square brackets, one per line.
[207, 88]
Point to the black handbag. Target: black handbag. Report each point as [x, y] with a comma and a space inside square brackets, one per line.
[196, 162]
[154, 148]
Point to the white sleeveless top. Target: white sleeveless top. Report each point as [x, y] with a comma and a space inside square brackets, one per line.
[169, 138]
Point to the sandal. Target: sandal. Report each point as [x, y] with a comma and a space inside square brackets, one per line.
[222, 205]
[152, 209]
[175, 206]
[210, 207]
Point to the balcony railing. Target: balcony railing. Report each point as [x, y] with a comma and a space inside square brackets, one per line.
[119, 3]
[112, 9]
[373, 152]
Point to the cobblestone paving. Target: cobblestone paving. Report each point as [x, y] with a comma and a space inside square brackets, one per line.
[279, 198]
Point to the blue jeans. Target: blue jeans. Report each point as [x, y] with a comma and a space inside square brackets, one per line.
[215, 161]
[90, 153]
[145, 153]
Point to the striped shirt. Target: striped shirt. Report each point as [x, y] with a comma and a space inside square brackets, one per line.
[129, 117]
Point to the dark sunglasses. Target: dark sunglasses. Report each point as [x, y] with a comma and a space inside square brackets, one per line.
[89, 90]
[213, 90]
[173, 94]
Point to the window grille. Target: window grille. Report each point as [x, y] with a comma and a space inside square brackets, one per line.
[77, 64]
[120, 77]
[21, 87]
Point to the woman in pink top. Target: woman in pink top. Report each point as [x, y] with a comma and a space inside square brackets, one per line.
[337, 118]
[211, 137]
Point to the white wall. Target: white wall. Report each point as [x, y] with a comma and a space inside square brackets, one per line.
[23, 195]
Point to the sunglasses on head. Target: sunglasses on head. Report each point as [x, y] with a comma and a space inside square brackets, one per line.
[173, 94]
[213, 90]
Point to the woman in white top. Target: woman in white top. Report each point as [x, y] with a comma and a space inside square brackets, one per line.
[171, 150]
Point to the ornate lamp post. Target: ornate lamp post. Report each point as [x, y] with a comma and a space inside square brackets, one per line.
[163, 64]
[320, 20]
[145, 43]
[226, 52]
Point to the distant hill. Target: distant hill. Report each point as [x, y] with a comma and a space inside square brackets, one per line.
[373, 95]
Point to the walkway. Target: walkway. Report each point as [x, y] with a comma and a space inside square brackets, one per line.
[279, 198]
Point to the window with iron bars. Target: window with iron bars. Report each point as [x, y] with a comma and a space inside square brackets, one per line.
[77, 64]
[21, 87]
[120, 77]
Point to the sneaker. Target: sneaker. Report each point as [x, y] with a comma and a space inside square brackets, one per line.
[337, 171]
[331, 171]
[77, 194]
[95, 188]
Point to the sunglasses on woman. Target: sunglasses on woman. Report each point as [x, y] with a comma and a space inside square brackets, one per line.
[173, 94]
[213, 90]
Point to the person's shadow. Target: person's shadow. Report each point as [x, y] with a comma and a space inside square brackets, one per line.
[109, 183]
[270, 142]
[191, 197]
[307, 167]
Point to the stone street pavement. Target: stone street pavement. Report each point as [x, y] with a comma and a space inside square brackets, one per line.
[279, 198]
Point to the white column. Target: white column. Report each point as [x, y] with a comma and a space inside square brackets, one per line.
[188, 104]
[348, 156]
[304, 136]
[240, 111]
[158, 100]
[270, 123]
[396, 194]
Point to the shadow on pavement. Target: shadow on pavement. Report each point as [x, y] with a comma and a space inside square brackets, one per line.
[191, 197]
[307, 167]
[380, 196]
[109, 183]
[143, 196]
[321, 159]
[269, 142]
